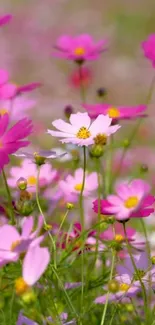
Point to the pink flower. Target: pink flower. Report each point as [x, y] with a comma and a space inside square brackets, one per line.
[72, 185]
[7, 89]
[35, 264]
[12, 243]
[5, 19]
[148, 47]
[85, 78]
[119, 233]
[132, 201]
[28, 170]
[115, 112]
[12, 140]
[79, 48]
[16, 108]
[81, 131]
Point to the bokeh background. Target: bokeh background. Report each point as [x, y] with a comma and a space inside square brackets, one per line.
[27, 42]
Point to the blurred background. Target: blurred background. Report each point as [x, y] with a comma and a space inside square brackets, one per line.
[27, 42]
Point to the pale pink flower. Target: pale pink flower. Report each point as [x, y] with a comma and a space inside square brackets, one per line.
[82, 131]
[72, 185]
[28, 170]
[16, 108]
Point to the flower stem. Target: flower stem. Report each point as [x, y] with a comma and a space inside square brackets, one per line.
[82, 224]
[82, 88]
[42, 213]
[108, 293]
[136, 270]
[9, 197]
[108, 171]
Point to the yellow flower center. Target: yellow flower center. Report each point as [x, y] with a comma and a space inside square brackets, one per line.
[124, 287]
[3, 111]
[119, 238]
[79, 51]
[31, 180]
[14, 245]
[100, 139]
[131, 202]
[113, 112]
[83, 133]
[78, 187]
[1, 144]
[21, 286]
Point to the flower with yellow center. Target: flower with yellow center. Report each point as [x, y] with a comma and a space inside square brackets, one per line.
[3, 111]
[124, 287]
[119, 238]
[113, 112]
[131, 202]
[31, 180]
[14, 245]
[79, 51]
[83, 133]
[21, 286]
[78, 187]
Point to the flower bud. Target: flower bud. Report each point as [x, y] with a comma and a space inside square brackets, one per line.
[68, 110]
[96, 151]
[22, 183]
[70, 206]
[126, 143]
[29, 297]
[153, 260]
[25, 196]
[144, 168]
[129, 307]
[101, 92]
[39, 160]
[113, 286]
[25, 208]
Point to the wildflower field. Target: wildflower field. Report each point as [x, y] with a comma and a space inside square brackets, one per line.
[77, 164]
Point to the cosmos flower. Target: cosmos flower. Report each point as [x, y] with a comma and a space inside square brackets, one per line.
[79, 48]
[28, 170]
[34, 265]
[115, 112]
[82, 132]
[12, 140]
[72, 185]
[5, 19]
[12, 243]
[17, 109]
[148, 47]
[116, 232]
[7, 89]
[85, 78]
[23, 320]
[132, 201]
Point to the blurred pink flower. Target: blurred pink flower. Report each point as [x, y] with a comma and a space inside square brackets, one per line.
[132, 201]
[115, 112]
[72, 185]
[85, 78]
[17, 107]
[117, 233]
[5, 19]
[12, 243]
[79, 48]
[148, 47]
[12, 140]
[7, 89]
[28, 170]
[81, 131]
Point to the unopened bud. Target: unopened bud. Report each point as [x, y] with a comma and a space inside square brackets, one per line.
[68, 110]
[70, 206]
[47, 227]
[153, 260]
[126, 143]
[129, 307]
[113, 286]
[29, 297]
[39, 160]
[25, 196]
[144, 168]
[101, 92]
[22, 183]
[25, 208]
[96, 151]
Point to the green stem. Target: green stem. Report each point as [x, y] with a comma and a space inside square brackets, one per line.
[108, 293]
[108, 171]
[82, 224]
[9, 197]
[42, 213]
[136, 270]
[82, 88]
[99, 206]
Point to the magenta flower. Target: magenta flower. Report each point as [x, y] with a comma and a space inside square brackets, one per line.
[81, 131]
[119, 233]
[12, 243]
[7, 89]
[79, 48]
[132, 201]
[148, 47]
[12, 140]
[28, 170]
[5, 19]
[115, 112]
[72, 185]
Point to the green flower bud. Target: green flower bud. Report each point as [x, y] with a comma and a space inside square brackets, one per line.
[22, 183]
[113, 286]
[25, 208]
[153, 260]
[70, 206]
[39, 160]
[28, 297]
[126, 143]
[96, 151]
